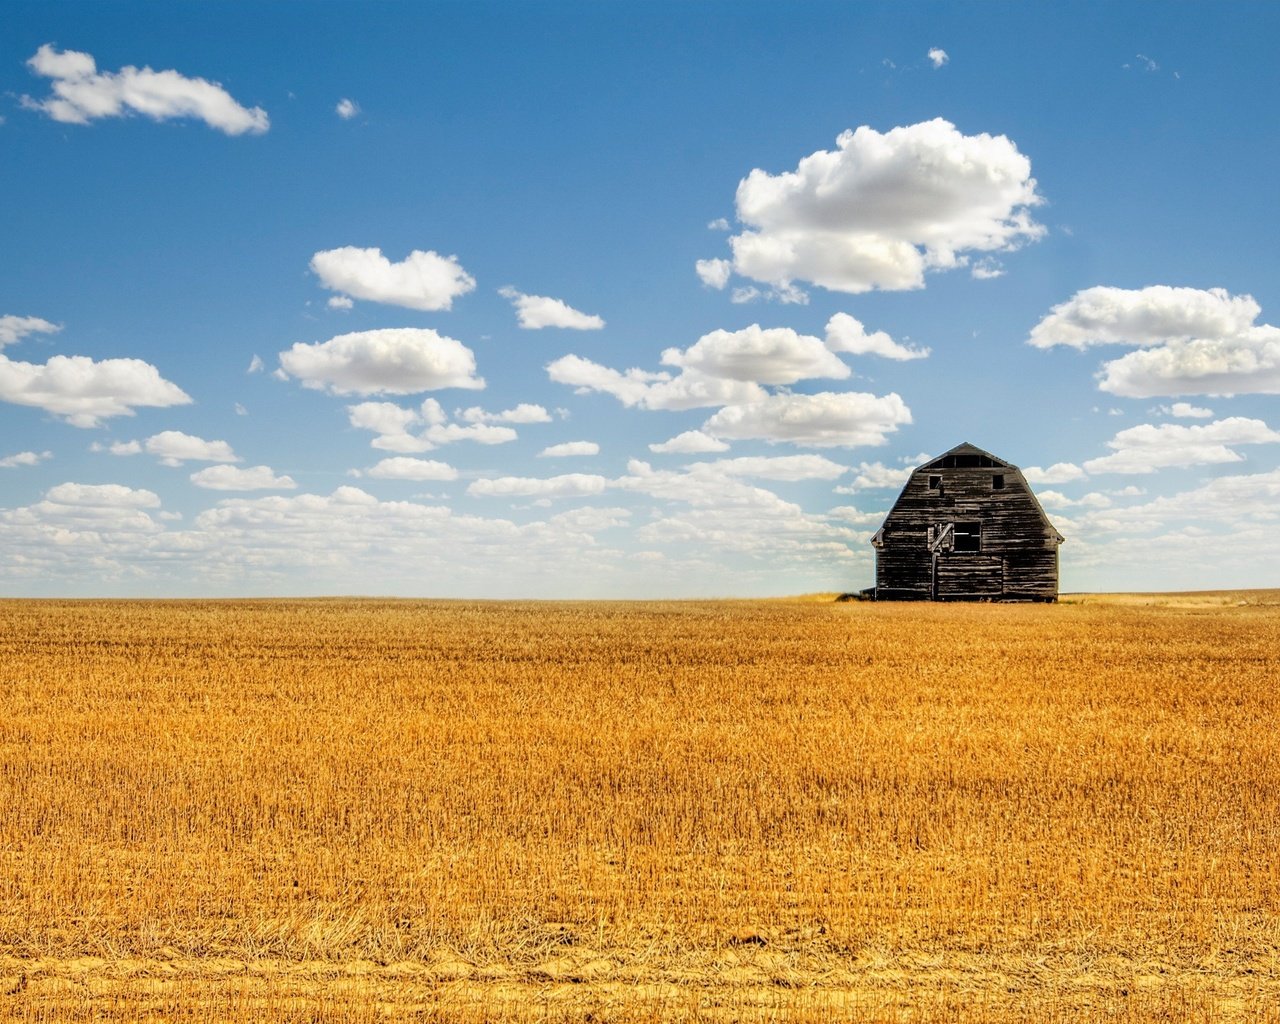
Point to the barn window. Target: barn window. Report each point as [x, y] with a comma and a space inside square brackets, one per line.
[997, 481]
[968, 537]
[935, 483]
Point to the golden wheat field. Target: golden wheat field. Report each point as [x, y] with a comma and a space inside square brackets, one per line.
[723, 811]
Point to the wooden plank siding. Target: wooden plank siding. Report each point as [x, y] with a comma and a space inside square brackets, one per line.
[978, 534]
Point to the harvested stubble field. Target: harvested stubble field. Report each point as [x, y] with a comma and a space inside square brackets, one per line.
[368, 810]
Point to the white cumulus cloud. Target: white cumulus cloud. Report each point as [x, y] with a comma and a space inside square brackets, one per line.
[535, 312]
[395, 361]
[568, 485]
[234, 478]
[827, 419]
[883, 208]
[525, 412]
[173, 447]
[938, 56]
[1146, 448]
[714, 273]
[1189, 341]
[647, 390]
[1058, 473]
[776, 355]
[24, 459]
[102, 496]
[422, 280]
[1187, 411]
[691, 442]
[845, 334]
[82, 94]
[790, 468]
[84, 391]
[15, 328]
[347, 108]
[569, 448]
[403, 468]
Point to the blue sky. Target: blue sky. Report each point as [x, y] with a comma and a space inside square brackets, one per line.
[304, 299]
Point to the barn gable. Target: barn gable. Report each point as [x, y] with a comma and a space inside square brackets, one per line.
[967, 527]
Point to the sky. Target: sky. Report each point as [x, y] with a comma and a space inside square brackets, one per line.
[583, 300]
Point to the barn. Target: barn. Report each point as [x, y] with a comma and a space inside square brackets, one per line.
[966, 527]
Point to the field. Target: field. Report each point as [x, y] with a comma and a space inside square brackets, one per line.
[720, 811]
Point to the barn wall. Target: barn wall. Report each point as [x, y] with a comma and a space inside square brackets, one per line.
[1019, 556]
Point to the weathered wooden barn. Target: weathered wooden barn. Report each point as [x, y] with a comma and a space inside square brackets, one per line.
[966, 527]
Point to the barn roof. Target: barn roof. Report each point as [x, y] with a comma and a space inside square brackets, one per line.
[965, 448]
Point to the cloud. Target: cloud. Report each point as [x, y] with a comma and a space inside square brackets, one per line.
[255, 364]
[882, 209]
[394, 361]
[986, 269]
[776, 355]
[1185, 410]
[569, 485]
[173, 448]
[719, 224]
[481, 433]
[401, 468]
[84, 391]
[525, 412]
[422, 280]
[790, 468]
[1146, 448]
[347, 109]
[938, 56]
[691, 442]
[845, 334]
[382, 417]
[1058, 473]
[24, 459]
[102, 496]
[340, 303]
[714, 273]
[826, 419]
[233, 478]
[1056, 499]
[537, 311]
[689, 390]
[82, 94]
[118, 447]
[568, 448]
[875, 475]
[1191, 341]
[15, 328]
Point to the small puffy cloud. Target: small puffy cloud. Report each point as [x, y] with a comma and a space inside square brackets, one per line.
[872, 476]
[82, 94]
[1146, 448]
[1056, 499]
[938, 56]
[827, 419]
[15, 328]
[241, 410]
[102, 496]
[340, 303]
[535, 312]
[568, 485]
[403, 468]
[1058, 473]
[255, 364]
[790, 468]
[234, 478]
[882, 209]
[986, 269]
[689, 390]
[525, 412]
[173, 447]
[714, 273]
[691, 442]
[569, 448]
[1190, 341]
[719, 224]
[845, 334]
[1187, 411]
[24, 459]
[776, 355]
[84, 391]
[395, 361]
[422, 280]
[118, 447]
[481, 433]
[382, 417]
[347, 108]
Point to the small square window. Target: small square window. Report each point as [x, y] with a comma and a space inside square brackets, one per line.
[935, 483]
[968, 537]
[997, 482]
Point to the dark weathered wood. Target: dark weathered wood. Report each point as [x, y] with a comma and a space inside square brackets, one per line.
[918, 555]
